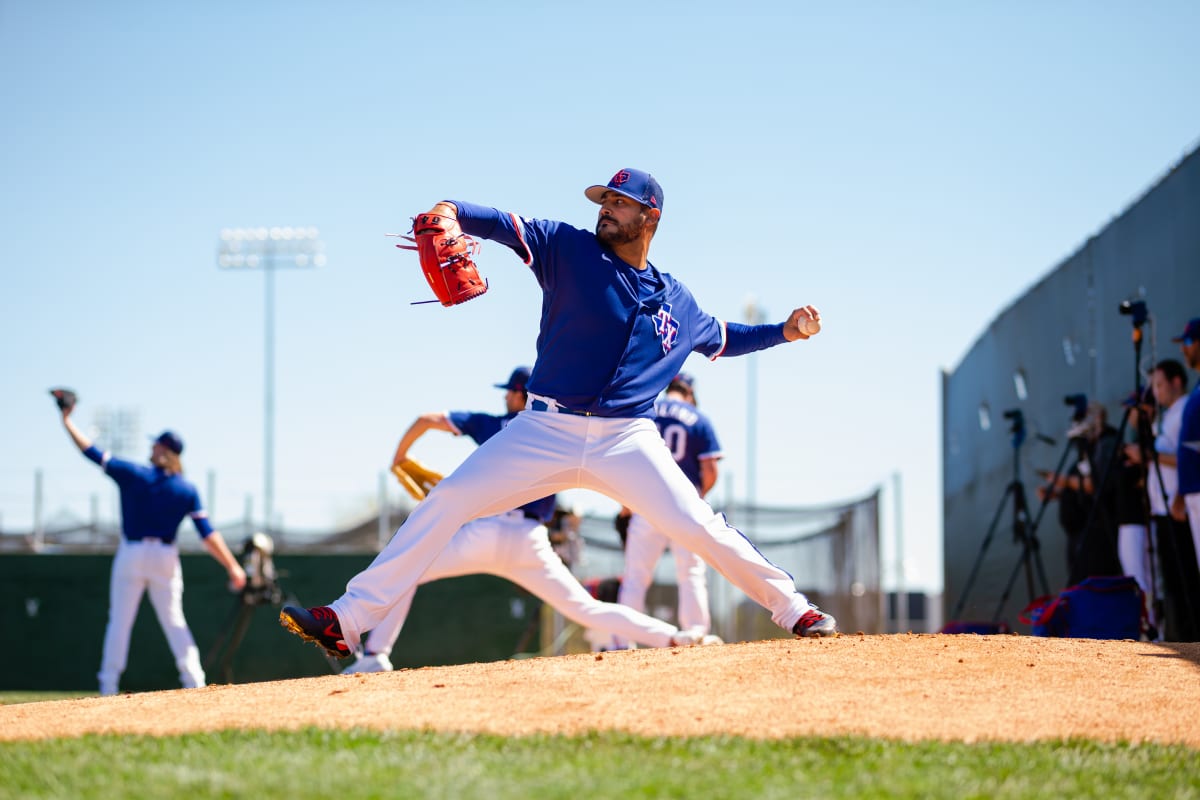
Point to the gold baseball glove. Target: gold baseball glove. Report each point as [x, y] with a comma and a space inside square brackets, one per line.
[416, 478]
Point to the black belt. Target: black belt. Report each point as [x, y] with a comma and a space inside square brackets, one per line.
[540, 405]
[531, 515]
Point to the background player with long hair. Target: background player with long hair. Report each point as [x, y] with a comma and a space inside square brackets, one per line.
[154, 500]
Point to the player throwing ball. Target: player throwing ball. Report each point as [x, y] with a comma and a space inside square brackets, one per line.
[154, 501]
[614, 331]
[514, 545]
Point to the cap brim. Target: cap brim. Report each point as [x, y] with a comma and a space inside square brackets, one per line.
[596, 194]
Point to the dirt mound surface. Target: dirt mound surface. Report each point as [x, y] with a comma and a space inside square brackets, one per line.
[907, 686]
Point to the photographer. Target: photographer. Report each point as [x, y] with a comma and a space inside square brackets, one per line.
[1176, 557]
[1091, 550]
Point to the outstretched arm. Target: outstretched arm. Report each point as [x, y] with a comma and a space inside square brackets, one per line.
[423, 423]
[742, 339]
[214, 543]
[708, 475]
[81, 441]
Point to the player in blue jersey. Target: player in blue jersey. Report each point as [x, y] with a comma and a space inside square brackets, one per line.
[1186, 504]
[514, 545]
[154, 500]
[690, 437]
[614, 330]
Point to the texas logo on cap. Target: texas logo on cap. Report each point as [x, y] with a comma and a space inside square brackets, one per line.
[635, 184]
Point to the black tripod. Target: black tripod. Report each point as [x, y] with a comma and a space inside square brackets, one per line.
[261, 589]
[1149, 461]
[1024, 530]
[1138, 311]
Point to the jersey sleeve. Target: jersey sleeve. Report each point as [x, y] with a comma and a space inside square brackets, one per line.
[528, 238]
[203, 526]
[475, 424]
[706, 440]
[460, 421]
[743, 339]
[122, 471]
[197, 514]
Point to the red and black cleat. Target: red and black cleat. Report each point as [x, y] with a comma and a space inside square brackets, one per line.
[815, 623]
[318, 625]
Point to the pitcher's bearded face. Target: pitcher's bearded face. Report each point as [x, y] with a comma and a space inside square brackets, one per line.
[612, 233]
[621, 220]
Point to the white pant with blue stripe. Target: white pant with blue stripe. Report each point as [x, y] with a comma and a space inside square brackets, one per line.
[518, 549]
[540, 453]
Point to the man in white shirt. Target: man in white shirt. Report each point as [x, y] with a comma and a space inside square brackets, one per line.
[1176, 552]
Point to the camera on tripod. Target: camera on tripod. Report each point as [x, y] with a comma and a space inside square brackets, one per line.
[261, 587]
[1017, 428]
[1136, 309]
[1079, 403]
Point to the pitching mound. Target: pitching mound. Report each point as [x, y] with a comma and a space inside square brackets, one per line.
[962, 688]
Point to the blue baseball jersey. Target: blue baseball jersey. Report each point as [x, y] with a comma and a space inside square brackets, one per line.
[611, 336]
[688, 433]
[481, 427]
[1188, 456]
[153, 503]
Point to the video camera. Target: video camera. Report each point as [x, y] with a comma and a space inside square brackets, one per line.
[261, 586]
[1080, 403]
[1136, 309]
[1018, 425]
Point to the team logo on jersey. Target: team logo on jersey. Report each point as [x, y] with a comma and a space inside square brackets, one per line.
[619, 179]
[666, 327]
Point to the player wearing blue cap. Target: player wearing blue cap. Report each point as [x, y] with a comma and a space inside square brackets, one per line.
[1186, 504]
[154, 500]
[614, 331]
[514, 545]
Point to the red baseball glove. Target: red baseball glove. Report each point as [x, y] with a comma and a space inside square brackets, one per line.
[447, 258]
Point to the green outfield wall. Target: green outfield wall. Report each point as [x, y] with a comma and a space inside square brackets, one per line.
[53, 610]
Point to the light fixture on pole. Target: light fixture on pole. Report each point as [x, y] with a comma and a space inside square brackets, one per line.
[754, 314]
[269, 249]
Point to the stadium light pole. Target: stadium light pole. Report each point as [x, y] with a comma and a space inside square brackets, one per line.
[269, 249]
[754, 314]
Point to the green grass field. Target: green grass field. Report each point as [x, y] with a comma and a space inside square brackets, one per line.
[362, 764]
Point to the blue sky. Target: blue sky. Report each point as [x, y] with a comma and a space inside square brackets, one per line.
[909, 168]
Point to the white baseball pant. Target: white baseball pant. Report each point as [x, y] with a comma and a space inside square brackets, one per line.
[152, 566]
[644, 546]
[518, 549]
[1133, 549]
[540, 453]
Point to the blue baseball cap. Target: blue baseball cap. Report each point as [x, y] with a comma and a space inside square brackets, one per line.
[685, 380]
[171, 441]
[1190, 331]
[634, 184]
[516, 381]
